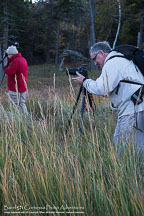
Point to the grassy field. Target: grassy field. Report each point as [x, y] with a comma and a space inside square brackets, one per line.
[48, 168]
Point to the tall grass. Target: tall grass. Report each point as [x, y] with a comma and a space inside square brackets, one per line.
[45, 170]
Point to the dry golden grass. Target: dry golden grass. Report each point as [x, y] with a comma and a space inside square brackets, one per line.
[43, 169]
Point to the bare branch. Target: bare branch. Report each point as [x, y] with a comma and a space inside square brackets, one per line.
[68, 53]
[119, 24]
[72, 52]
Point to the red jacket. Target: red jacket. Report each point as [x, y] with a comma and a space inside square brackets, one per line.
[16, 73]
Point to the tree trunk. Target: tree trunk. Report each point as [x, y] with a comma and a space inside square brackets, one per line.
[91, 6]
[119, 24]
[92, 29]
[1, 68]
[57, 46]
[0, 58]
[138, 40]
[47, 59]
[141, 30]
[47, 54]
[5, 21]
[61, 64]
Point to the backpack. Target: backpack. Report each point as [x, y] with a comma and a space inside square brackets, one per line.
[131, 53]
[137, 56]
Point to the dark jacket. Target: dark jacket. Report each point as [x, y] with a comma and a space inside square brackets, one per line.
[16, 73]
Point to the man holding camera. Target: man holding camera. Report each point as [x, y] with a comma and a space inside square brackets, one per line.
[129, 128]
[16, 71]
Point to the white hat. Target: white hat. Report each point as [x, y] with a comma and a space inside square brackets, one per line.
[11, 50]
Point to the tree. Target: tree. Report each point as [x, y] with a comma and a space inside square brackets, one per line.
[13, 20]
[92, 29]
[140, 41]
[5, 23]
[69, 19]
[47, 28]
[131, 19]
[119, 24]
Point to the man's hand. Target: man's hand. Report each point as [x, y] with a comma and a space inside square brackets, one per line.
[79, 79]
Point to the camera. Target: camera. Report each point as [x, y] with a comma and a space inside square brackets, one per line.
[13, 40]
[82, 70]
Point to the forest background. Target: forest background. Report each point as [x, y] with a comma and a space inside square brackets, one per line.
[45, 29]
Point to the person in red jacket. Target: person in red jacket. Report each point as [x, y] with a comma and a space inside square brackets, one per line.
[16, 72]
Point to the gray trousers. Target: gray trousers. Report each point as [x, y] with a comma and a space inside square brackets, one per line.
[19, 98]
[130, 129]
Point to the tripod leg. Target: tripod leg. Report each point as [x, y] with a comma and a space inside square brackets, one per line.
[2, 79]
[91, 102]
[82, 109]
[3, 58]
[74, 107]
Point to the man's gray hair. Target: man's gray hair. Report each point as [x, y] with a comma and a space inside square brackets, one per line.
[103, 45]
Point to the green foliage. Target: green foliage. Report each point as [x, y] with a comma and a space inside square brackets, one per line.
[65, 24]
[16, 18]
[131, 22]
[125, 31]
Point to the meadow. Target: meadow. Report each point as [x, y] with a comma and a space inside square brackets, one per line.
[49, 168]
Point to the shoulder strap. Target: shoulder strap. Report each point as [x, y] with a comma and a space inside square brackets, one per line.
[124, 81]
[121, 56]
[131, 82]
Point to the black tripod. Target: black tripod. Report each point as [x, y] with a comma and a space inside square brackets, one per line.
[84, 92]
